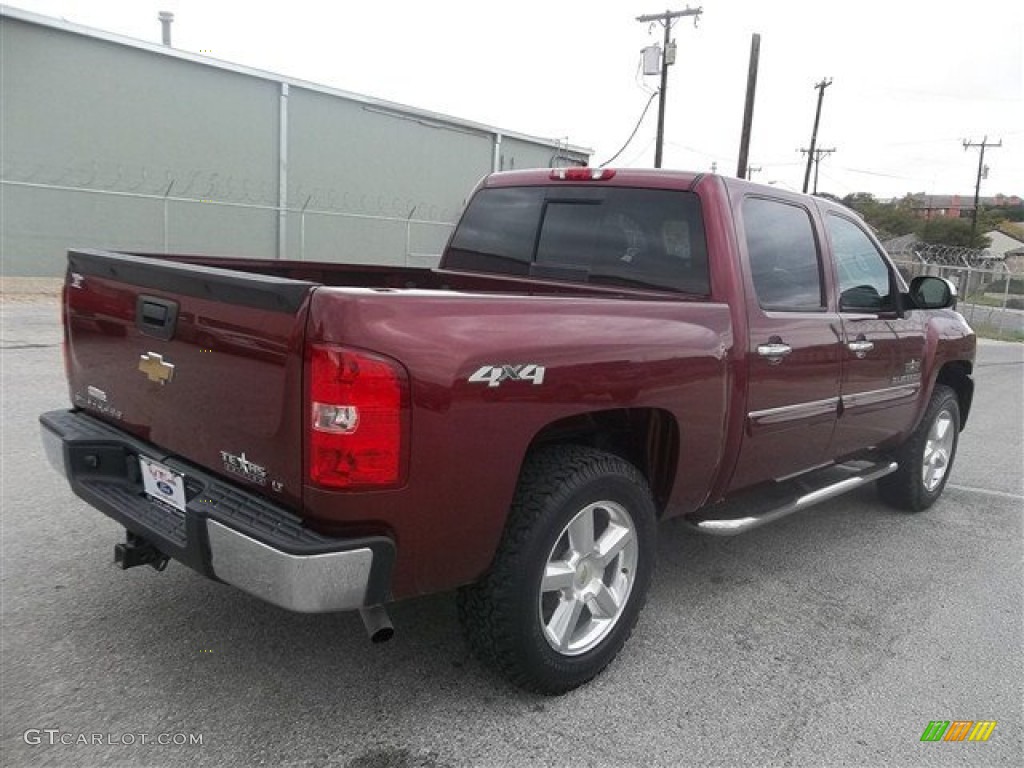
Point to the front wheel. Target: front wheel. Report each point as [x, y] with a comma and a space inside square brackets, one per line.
[571, 574]
[926, 458]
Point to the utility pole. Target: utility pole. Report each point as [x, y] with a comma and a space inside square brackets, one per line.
[816, 155]
[666, 19]
[752, 169]
[977, 185]
[748, 106]
[825, 83]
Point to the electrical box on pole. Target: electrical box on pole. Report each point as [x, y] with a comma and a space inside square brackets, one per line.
[652, 60]
[668, 58]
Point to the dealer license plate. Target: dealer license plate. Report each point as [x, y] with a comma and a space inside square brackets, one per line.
[163, 483]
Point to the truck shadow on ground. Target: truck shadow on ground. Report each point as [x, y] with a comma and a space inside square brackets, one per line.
[183, 622]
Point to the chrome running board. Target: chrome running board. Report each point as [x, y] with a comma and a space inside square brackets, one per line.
[760, 506]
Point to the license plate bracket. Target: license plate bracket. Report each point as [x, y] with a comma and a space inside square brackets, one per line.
[162, 483]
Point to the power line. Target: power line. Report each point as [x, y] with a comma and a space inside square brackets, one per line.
[884, 175]
[635, 129]
[836, 183]
[640, 152]
[694, 149]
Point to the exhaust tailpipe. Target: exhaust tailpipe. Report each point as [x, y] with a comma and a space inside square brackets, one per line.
[378, 623]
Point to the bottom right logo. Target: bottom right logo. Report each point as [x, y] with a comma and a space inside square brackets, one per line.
[958, 730]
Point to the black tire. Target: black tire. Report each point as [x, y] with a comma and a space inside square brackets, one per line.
[911, 488]
[509, 615]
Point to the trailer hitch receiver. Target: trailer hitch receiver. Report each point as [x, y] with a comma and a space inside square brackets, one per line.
[136, 550]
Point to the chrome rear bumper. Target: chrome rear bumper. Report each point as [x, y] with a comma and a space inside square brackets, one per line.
[225, 532]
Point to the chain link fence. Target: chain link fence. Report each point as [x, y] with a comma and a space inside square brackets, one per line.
[46, 215]
[991, 296]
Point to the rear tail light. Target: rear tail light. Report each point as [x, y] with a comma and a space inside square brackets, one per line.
[581, 174]
[358, 419]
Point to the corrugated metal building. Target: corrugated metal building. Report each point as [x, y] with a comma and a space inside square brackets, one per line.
[117, 143]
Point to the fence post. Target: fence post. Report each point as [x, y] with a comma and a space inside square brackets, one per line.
[302, 229]
[167, 194]
[1006, 298]
[408, 234]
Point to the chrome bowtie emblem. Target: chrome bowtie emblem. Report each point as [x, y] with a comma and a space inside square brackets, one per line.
[155, 368]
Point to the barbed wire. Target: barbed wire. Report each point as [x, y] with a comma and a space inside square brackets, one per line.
[211, 186]
[936, 254]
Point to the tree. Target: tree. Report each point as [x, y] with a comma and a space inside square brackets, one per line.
[946, 231]
[1014, 213]
[990, 218]
[888, 219]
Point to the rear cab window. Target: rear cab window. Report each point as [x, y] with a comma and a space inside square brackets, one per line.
[783, 253]
[647, 238]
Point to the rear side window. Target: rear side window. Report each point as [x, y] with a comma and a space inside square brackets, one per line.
[783, 255]
[603, 235]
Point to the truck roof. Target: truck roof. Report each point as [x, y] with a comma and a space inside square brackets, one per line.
[648, 178]
[622, 177]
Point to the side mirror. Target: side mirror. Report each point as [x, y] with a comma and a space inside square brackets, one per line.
[928, 292]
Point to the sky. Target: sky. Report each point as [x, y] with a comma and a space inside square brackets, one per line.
[911, 79]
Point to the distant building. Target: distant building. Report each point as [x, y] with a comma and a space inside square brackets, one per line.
[958, 206]
[1007, 249]
[112, 142]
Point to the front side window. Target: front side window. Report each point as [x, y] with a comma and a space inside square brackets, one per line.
[602, 235]
[864, 280]
[783, 255]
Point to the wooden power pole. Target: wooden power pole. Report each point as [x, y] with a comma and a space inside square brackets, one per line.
[748, 107]
[817, 154]
[814, 133]
[977, 185]
[665, 19]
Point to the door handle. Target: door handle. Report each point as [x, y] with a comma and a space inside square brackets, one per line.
[774, 351]
[156, 317]
[860, 347]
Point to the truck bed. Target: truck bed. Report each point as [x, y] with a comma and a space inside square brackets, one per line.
[418, 278]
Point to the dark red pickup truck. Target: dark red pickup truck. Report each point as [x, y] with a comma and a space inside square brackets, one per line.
[598, 350]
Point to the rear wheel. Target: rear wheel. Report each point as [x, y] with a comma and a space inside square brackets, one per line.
[926, 458]
[571, 574]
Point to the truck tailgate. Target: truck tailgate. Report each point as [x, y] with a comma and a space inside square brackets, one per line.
[204, 363]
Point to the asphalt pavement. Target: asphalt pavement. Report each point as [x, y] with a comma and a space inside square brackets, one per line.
[994, 319]
[832, 637]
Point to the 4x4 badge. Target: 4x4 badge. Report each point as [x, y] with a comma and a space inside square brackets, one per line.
[155, 368]
[493, 375]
